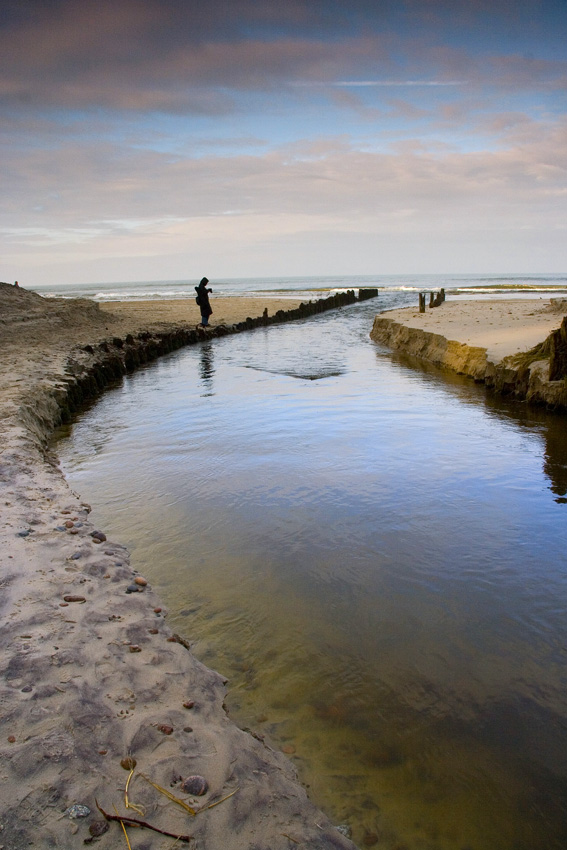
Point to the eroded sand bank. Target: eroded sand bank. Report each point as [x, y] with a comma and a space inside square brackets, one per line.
[485, 340]
[91, 675]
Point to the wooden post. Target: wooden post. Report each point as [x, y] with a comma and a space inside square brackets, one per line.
[422, 302]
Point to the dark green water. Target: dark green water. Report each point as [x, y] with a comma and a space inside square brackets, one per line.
[374, 554]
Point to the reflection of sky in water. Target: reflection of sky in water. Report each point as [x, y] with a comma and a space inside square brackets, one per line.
[372, 554]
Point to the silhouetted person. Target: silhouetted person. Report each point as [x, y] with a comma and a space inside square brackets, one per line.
[202, 300]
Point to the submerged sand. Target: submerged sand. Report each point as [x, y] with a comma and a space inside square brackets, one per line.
[92, 678]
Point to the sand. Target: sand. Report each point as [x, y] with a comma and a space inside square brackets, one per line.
[503, 328]
[91, 674]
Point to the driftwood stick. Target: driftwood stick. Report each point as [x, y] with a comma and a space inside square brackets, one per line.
[142, 823]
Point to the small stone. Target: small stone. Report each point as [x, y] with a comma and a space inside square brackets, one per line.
[63, 604]
[132, 588]
[27, 689]
[157, 610]
[23, 533]
[78, 811]
[102, 752]
[344, 829]
[98, 536]
[75, 556]
[187, 728]
[135, 648]
[288, 749]
[195, 785]
[74, 599]
[11, 739]
[141, 581]
[128, 763]
[98, 828]
[153, 631]
[73, 531]
[167, 730]
[69, 523]
[189, 704]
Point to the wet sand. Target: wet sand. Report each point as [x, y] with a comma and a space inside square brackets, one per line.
[92, 678]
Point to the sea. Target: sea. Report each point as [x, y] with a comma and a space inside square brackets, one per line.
[370, 549]
[390, 287]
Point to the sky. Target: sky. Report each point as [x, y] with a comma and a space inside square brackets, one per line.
[169, 139]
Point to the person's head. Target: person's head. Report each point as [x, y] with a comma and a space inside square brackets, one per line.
[204, 281]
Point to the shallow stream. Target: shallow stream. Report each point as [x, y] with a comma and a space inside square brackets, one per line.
[373, 553]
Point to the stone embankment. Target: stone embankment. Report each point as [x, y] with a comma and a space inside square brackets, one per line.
[538, 376]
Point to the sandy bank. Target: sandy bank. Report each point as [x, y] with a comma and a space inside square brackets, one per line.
[510, 345]
[90, 672]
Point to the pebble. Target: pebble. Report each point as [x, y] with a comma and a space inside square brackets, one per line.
[75, 556]
[98, 536]
[98, 828]
[133, 588]
[135, 648]
[128, 763]
[78, 811]
[344, 829]
[288, 749]
[74, 599]
[69, 523]
[23, 533]
[157, 610]
[11, 739]
[153, 631]
[167, 730]
[187, 728]
[195, 785]
[141, 581]
[73, 531]
[189, 704]
[27, 689]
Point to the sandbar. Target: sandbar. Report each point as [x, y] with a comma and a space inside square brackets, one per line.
[517, 348]
[502, 327]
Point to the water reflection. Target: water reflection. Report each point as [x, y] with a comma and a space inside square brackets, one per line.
[374, 559]
[534, 419]
[207, 368]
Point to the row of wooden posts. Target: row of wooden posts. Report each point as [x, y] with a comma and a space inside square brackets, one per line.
[435, 299]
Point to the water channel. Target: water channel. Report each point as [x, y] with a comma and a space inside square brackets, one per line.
[373, 553]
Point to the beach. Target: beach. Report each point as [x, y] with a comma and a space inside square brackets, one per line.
[93, 680]
[494, 342]
[92, 676]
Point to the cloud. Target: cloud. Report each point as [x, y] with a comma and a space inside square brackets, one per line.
[185, 57]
